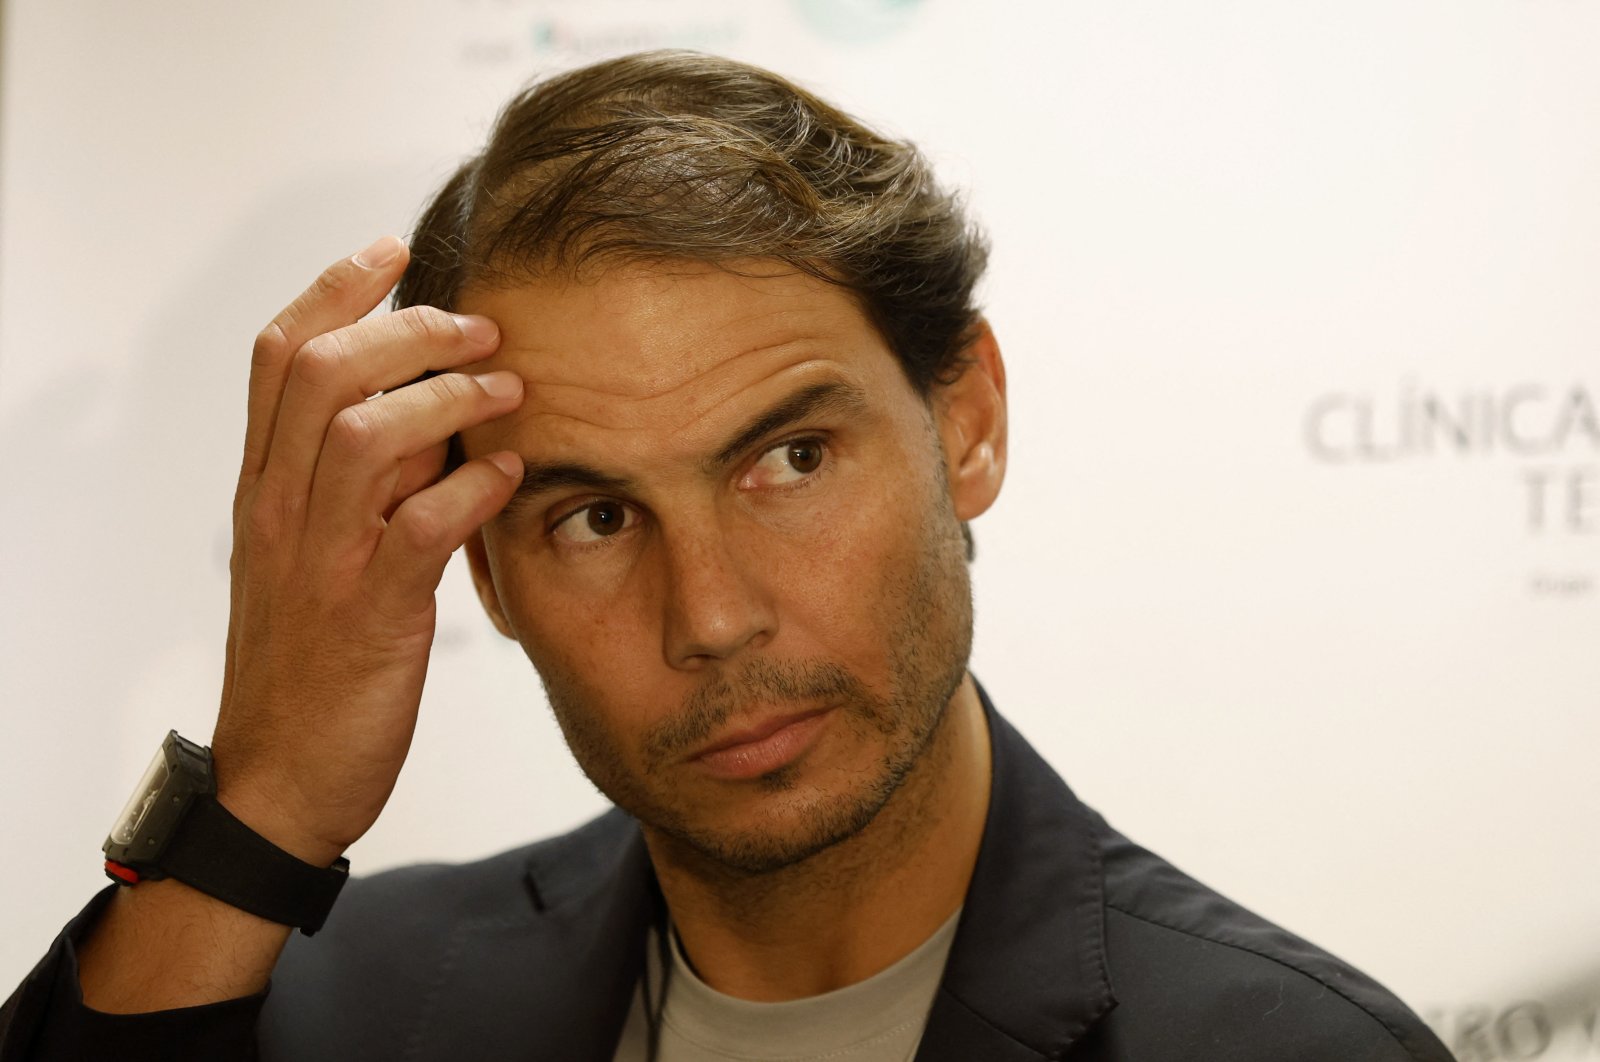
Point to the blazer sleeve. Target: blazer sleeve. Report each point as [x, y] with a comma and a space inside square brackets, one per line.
[45, 1019]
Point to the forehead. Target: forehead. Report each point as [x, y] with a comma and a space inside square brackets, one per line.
[658, 346]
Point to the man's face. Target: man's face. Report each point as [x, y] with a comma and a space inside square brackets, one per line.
[735, 560]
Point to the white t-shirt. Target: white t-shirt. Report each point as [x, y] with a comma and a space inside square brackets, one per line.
[876, 1020]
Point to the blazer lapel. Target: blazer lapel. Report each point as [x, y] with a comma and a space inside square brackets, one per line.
[1026, 975]
[554, 983]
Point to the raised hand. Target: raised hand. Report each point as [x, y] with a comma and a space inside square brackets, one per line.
[341, 534]
[342, 529]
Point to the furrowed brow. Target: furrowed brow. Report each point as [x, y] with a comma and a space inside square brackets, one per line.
[539, 477]
[836, 397]
[542, 477]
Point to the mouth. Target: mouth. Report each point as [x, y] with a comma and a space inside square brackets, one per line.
[764, 747]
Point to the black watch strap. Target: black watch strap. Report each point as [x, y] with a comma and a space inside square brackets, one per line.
[216, 853]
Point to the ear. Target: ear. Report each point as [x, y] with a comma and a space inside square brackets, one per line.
[483, 581]
[970, 413]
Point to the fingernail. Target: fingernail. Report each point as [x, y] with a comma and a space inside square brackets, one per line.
[478, 329]
[510, 464]
[500, 384]
[384, 250]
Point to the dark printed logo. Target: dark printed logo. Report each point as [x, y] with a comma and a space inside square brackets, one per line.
[1541, 440]
[1552, 431]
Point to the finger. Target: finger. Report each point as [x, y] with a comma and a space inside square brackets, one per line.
[339, 370]
[367, 444]
[344, 293]
[418, 471]
[430, 525]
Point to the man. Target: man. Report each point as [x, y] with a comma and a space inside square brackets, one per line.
[698, 358]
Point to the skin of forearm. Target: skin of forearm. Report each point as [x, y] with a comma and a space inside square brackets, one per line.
[162, 945]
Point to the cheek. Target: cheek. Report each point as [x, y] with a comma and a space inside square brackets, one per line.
[600, 696]
[845, 563]
[589, 643]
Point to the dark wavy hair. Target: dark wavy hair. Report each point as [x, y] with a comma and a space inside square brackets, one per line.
[666, 155]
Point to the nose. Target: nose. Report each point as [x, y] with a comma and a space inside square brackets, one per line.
[716, 604]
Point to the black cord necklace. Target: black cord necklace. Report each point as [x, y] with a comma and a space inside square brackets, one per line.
[655, 1003]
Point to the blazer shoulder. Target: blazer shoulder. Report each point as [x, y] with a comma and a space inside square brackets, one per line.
[1199, 976]
[438, 952]
[511, 886]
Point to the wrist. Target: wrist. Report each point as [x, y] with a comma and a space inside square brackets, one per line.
[176, 825]
[273, 821]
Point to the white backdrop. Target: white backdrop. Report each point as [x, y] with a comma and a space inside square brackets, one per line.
[1297, 573]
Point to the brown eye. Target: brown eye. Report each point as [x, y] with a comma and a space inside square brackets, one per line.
[788, 464]
[606, 518]
[601, 519]
[804, 457]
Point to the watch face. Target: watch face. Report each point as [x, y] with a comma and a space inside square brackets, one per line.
[155, 813]
[144, 798]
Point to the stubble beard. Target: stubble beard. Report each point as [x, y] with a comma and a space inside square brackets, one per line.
[928, 648]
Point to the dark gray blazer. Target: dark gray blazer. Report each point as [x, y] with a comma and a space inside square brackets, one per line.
[1074, 944]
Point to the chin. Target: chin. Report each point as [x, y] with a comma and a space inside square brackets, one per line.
[784, 818]
[790, 829]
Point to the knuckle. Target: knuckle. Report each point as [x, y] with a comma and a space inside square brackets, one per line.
[424, 527]
[353, 430]
[271, 345]
[331, 282]
[425, 322]
[241, 501]
[263, 520]
[260, 524]
[295, 314]
[256, 450]
[454, 387]
[320, 360]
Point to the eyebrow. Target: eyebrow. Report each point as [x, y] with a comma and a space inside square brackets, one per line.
[542, 477]
[834, 397]
[837, 397]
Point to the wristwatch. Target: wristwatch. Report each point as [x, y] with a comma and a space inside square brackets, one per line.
[174, 826]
